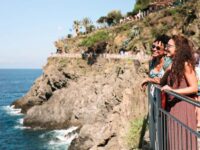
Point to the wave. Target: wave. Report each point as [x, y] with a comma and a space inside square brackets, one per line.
[12, 111]
[20, 121]
[21, 127]
[59, 139]
[20, 124]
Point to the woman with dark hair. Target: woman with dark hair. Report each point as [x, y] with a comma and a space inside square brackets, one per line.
[157, 67]
[181, 79]
[159, 62]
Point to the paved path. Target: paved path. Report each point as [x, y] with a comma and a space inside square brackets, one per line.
[107, 56]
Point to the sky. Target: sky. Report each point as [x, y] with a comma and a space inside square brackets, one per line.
[28, 28]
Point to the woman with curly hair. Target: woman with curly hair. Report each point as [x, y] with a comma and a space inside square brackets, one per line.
[182, 80]
[159, 63]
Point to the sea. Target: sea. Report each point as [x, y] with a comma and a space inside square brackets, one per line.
[15, 83]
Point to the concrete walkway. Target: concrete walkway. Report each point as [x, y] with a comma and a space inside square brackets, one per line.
[107, 56]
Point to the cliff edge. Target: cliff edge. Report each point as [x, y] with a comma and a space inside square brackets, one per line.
[101, 100]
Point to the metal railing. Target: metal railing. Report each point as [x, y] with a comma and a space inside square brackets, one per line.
[168, 132]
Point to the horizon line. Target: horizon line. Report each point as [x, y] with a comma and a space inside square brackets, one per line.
[20, 68]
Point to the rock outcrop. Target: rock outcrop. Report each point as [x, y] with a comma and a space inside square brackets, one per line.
[101, 100]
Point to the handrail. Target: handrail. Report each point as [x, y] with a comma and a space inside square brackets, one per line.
[180, 97]
[159, 120]
[182, 124]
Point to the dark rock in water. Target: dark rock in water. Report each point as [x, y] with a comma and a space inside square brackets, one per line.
[30, 102]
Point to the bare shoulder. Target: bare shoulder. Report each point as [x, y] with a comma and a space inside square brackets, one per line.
[188, 67]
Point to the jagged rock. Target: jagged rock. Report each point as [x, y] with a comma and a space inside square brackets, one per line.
[97, 99]
[44, 87]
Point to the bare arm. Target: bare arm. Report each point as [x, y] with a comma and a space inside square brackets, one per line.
[163, 80]
[191, 80]
[147, 80]
[155, 80]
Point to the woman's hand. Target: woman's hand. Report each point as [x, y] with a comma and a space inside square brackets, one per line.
[166, 87]
[144, 84]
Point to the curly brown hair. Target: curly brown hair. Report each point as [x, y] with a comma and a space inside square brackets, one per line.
[184, 53]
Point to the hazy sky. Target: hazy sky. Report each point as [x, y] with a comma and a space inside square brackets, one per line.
[29, 28]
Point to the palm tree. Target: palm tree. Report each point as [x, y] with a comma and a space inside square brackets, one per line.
[86, 22]
[77, 26]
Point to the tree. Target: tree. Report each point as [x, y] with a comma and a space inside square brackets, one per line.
[77, 26]
[113, 17]
[90, 28]
[110, 21]
[102, 20]
[131, 13]
[86, 22]
[141, 4]
[69, 36]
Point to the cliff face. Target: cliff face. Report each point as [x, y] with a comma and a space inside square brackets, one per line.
[101, 100]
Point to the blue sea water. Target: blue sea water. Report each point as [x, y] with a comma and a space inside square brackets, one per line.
[14, 83]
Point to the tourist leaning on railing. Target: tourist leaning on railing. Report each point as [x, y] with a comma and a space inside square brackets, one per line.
[181, 79]
[159, 63]
[157, 67]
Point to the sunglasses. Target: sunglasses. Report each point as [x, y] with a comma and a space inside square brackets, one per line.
[157, 47]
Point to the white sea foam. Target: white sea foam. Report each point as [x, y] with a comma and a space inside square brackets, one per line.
[12, 111]
[21, 121]
[21, 127]
[60, 138]
[20, 124]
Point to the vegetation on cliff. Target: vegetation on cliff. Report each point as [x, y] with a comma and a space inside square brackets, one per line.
[141, 4]
[97, 37]
[137, 35]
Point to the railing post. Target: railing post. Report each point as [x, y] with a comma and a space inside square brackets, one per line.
[159, 129]
[151, 118]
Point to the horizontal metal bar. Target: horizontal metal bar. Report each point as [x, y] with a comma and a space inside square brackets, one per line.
[180, 97]
[178, 121]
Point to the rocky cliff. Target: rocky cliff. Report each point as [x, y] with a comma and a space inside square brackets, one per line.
[101, 100]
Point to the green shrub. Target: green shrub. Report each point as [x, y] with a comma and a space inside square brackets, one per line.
[173, 11]
[141, 4]
[146, 21]
[62, 62]
[97, 37]
[125, 27]
[159, 31]
[134, 133]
